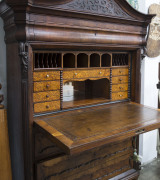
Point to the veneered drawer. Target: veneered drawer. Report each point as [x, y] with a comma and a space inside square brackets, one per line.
[46, 76]
[119, 95]
[80, 74]
[46, 86]
[46, 106]
[119, 80]
[119, 87]
[120, 72]
[46, 96]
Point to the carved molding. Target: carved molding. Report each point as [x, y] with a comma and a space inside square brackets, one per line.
[103, 7]
[23, 53]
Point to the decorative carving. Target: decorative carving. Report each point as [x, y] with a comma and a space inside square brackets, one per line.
[23, 53]
[103, 7]
[153, 43]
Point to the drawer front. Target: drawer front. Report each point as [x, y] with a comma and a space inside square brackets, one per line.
[120, 72]
[46, 96]
[46, 76]
[119, 80]
[120, 87]
[80, 74]
[46, 86]
[46, 106]
[119, 95]
[87, 164]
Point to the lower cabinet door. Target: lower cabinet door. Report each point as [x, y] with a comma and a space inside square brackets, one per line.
[100, 163]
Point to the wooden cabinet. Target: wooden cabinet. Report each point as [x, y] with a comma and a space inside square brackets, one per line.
[73, 72]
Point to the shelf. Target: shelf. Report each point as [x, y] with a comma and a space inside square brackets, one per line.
[81, 130]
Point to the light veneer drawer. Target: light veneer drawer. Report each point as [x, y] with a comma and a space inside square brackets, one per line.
[46, 86]
[120, 87]
[46, 106]
[120, 72]
[80, 74]
[119, 95]
[46, 96]
[119, 79]
[46, 76]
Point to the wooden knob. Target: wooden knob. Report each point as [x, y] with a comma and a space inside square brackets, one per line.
[76, 74]
[47, 76]
[120, 87]
[120, 95]
[100, 72]
[120, 71]
[47, 106]
[47, 96]
[120, 79]
[47, 86]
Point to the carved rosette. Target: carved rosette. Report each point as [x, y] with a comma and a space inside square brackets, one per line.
[103, 7]
[23, 53]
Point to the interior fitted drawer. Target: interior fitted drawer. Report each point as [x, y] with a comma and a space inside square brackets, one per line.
[46, 86]
[120, 79]
[120, 71]
[119, 87]
[119, 95]
[46, 96]
[46, 76]
[80, 74]
[46, 106]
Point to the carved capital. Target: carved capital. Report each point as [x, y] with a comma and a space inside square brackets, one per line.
[23, 53]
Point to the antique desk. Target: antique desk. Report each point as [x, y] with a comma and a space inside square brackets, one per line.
[73, 69]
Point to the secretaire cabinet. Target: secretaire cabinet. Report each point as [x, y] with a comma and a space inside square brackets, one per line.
[73, 75]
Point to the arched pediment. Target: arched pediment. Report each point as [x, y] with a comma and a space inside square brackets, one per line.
[100, 7]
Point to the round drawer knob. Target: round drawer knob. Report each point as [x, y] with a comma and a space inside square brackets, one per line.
[47, 86]
[120, 71]
[47, 106]
[47, 96]
[100, 72]
[76, 74]
[120, 79]
[47, 76]
[120, 95]
[120, 87]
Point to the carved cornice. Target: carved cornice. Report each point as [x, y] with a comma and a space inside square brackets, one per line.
[102, 7]
[23, 53]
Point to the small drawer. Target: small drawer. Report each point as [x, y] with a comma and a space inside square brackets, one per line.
[46, 76]
[46, 86]
[120, 72]
[119, 80]
[120, 87]
[119, 95]
[46, 106]
[82, 74]
[46, 96]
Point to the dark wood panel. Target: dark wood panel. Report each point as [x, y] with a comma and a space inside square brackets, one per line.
[104, 161]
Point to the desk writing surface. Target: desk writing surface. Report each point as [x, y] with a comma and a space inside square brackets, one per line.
[80, 130]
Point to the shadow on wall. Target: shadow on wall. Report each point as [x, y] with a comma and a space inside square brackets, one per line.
[3, 74]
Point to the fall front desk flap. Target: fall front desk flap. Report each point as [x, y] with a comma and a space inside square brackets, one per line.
[81, 130]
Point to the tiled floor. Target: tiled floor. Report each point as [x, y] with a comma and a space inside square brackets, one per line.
[151, 171]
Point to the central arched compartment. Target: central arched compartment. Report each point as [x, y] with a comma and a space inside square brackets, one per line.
[78, 93]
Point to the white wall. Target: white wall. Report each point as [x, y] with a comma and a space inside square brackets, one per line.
[149, 95]
[3, 63]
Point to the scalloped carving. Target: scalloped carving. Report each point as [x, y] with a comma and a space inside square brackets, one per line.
[103, 7]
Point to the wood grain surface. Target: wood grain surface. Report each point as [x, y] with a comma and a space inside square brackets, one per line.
[46, 86]
[5, 162]
[46, 76]
[78, 131]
